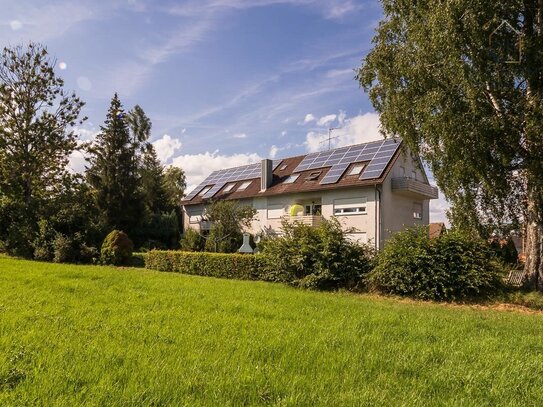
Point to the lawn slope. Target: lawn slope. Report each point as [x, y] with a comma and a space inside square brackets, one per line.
[88, 335]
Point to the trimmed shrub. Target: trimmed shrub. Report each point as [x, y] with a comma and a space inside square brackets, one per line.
[452, 267]
[315, 257]
[192, 241]
[138, 260]
[116, 249]
[222, 265]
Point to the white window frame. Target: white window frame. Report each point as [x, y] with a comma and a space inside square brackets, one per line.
[244, 185]
[416, 213]
[275, 211]
[204, 191]
[291, 179]
[357, 169]
[229, 187]
[350, 206]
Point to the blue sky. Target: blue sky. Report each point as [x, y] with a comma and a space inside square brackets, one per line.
[225, 82]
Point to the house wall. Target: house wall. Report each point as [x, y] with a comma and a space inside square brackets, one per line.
[397, 210]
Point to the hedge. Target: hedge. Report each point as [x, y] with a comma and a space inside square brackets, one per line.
[221, 265]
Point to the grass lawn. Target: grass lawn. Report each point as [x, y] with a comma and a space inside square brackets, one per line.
[90, 335]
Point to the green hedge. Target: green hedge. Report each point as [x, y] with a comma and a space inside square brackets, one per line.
[221, 265]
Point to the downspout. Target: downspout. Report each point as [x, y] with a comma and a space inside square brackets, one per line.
[377, 218]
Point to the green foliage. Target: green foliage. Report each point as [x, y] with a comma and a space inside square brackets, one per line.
[315, 257]
[174, 183]
[222, 265]
[160, 231]
[116, 249]
[192, 241]
[36, 140]
[505, 251]
[451, 267]
[113, 173]
[228, 220]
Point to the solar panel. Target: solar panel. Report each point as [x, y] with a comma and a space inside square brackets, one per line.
[378, 153]
[218, 179]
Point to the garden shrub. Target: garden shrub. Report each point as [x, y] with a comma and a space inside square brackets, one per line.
[451, 267]
[222, 265]
[192, 241]
[315, 257]
[116, 249]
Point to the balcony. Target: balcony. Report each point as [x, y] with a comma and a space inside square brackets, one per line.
[310, 220]
[414, 188]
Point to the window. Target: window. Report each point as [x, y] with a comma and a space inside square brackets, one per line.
[275, 211]
[244, 185]
[313, 176]
[193, 218]
[350, 206]
[204, 191]
[417, 210]
[229, 187]
[357, 169]
[291, 179]
[283, 167]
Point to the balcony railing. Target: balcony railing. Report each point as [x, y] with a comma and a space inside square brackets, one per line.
[310, 220]
[414, 188]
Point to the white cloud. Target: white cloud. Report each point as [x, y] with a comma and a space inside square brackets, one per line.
[309, 118]
[341, 118]
[166, 147]
[284, 133]
[333, 73]
[198, 166]
[326, 120]
[438, 210]
[240, 135]
[359, 129]
[273, 151]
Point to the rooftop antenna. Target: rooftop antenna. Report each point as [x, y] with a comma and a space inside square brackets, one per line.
[330, 136]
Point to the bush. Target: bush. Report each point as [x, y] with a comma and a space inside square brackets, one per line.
[116, 249]
[315, 257]
[138, 260]
[64, 250]
[451, 267]
[222, 265]
[192, 241]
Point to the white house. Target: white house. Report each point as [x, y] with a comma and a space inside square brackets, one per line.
[375, 189]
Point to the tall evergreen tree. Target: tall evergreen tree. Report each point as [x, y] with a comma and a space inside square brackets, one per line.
[113, 173]
[152, 181]
[36, 140]
[462, 83]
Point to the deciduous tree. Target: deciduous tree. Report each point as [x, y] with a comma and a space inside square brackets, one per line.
[462, 83]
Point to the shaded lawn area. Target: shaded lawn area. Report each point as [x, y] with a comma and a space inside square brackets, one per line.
[103, 336]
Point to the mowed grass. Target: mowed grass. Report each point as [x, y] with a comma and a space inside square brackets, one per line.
[85, 335]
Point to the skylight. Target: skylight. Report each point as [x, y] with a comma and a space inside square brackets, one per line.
[291, 179]
[204, 191]
[357, 169]
[283, 167]
[229, 187]
[244, 185]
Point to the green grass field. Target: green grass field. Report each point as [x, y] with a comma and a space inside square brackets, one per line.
[86, 335]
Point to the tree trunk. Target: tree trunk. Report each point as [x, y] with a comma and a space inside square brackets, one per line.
[533, 268]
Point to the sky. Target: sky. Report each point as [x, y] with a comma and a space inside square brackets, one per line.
[224, 82]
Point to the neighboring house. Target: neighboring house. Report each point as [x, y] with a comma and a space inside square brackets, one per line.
[436, 229]
[374, 188]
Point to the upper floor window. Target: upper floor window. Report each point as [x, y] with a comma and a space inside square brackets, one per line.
[350, 206]
[229, 187]
[204, 191]
[291, 179]
[357, 169]
[244, 185]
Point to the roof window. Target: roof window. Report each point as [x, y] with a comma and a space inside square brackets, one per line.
[244, 185]
[313, 176]
[291, 179]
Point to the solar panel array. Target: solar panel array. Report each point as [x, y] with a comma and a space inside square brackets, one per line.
[378, 153]
[219, 179]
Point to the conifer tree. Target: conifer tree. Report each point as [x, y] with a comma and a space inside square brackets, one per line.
[113, 173]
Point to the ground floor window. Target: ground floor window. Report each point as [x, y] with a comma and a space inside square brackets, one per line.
[417, 210]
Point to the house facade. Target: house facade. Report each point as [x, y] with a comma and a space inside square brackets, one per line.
[373, 189]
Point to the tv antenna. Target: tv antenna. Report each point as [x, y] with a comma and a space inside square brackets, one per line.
[330, 138]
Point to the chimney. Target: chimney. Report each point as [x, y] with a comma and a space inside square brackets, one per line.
[267, 174]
